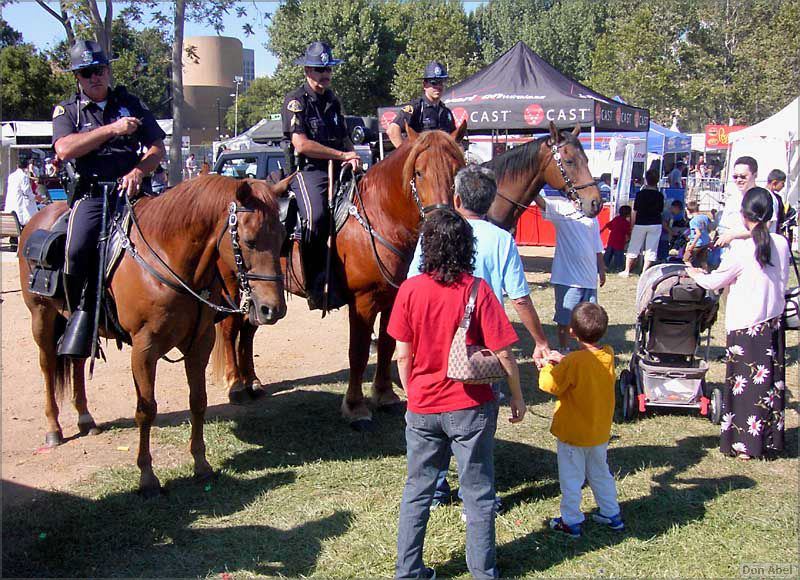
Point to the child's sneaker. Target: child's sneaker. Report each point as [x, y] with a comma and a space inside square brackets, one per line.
[558, 525]
[614, 522]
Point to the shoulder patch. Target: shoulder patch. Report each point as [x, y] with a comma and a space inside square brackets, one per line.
[295, 106]
[58, 111]
[408, 109]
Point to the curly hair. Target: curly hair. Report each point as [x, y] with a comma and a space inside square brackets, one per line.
[447, 247]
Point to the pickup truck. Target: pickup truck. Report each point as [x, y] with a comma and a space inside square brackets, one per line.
[261, 160]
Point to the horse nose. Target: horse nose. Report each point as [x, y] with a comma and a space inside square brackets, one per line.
[597, 205]
[269, 314]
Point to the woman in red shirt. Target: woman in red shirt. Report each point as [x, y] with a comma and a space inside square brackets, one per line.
[442, 413]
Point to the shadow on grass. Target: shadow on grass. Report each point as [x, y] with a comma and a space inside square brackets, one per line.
[673, 501]
[122, 535]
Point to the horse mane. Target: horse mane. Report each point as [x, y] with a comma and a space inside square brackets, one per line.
[201, 200]
[516, 161]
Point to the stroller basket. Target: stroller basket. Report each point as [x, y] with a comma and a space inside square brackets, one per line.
[672, 386]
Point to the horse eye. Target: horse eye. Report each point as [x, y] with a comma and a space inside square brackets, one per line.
[250, 244]
[418, 174]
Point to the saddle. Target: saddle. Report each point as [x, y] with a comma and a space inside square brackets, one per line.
[45, 252]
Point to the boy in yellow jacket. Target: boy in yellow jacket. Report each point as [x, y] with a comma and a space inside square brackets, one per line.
[583, 381]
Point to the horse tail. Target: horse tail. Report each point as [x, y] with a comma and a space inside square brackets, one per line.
[62, 380]
[218, 356]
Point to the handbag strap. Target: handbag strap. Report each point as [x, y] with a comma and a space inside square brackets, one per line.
[470, 308]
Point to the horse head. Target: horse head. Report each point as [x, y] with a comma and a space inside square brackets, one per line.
[567, 170]
[430, 169]
[252, 251]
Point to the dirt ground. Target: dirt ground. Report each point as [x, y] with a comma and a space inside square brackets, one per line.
[302, 345]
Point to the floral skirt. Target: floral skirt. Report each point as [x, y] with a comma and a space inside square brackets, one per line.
[754, 395]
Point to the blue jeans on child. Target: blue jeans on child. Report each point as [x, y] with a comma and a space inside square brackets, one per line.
[469, 433]
[614, 258]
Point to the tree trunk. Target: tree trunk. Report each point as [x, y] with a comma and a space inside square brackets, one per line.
[175, 156]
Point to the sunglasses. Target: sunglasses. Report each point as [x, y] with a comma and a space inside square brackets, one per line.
[435, 82]
[321, 69]
[737, 177]
[91, 71]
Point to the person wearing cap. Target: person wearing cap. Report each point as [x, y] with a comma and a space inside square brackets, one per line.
[102, 130]
[314, 133]
[426, 112]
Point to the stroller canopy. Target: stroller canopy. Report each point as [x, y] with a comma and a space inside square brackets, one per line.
[658, 284]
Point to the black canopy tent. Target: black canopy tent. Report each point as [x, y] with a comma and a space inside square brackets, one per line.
[521, 93]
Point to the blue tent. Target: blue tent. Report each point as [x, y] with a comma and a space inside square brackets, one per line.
[662, 141]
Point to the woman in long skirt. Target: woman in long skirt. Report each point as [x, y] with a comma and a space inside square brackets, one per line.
[756, 269]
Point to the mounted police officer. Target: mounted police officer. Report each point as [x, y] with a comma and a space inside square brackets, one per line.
[111, 136]
[315, 132]
[427, 112]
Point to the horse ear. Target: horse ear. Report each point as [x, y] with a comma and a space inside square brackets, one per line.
[282, 186]
[460, 131]
[553, 133]
[243, 191]
[577, 130]
[412, 135]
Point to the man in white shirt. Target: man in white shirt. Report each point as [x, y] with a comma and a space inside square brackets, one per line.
[578, 261]
[731, 227]
[19, 195]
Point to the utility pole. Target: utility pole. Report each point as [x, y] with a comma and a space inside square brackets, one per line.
[238, 80]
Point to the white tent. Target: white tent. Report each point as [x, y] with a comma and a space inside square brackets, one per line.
[775, 144]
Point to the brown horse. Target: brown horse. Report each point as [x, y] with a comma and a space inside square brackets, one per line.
[392, 196]
[557, 160]
[200, 229]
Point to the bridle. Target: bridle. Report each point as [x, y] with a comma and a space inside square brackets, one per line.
[569, 188]
[425, 210]
[243, 276]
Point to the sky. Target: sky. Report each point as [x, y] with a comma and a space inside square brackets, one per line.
[44, 31]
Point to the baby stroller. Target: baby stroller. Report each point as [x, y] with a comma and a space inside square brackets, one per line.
[665, 370]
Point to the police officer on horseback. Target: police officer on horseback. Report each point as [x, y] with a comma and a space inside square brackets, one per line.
[426, 112]
[315, 132]
[111, 136]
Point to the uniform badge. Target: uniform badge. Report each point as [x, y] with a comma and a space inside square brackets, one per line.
[86, 56]
[408, 109]
[324, 57]
[437, 71]
[58, 111]
[295, 106]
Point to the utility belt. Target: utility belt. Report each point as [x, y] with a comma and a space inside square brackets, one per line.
[295, 161]
[81, 188]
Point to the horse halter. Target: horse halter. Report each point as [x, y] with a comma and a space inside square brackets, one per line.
[425, 210]
[569, 188]
[243, 276]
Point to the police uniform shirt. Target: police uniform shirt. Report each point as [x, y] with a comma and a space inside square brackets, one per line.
[423, 115]
[318, 117]
[119, 155]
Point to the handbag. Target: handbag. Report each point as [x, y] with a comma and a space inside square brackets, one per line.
[472, 364]
[791, 312]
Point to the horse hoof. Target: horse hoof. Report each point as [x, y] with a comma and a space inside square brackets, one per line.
[256, 393]
[240, 397]
[397, 409]
[53, 439]
[363, 426]
[89, 429]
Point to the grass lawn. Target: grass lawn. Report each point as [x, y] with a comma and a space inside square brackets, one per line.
[299, 494]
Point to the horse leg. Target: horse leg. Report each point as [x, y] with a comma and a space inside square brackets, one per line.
[43, 323]
[143, 364]
[247, 362]
[383, 395]
[195, 364]
[86, 424]
[354, 407]
[231, 330]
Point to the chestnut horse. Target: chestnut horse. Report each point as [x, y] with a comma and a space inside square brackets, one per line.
[391, 196]
[200, 229]
[557, 160]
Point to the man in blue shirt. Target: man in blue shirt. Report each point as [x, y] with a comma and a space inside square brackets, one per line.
[497, 261]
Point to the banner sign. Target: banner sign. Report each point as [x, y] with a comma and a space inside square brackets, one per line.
[717, 135]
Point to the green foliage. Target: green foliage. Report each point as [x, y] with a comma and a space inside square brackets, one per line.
[264, 97]
[30, 87]
[8, 36]
[357, 34]
[436, 31]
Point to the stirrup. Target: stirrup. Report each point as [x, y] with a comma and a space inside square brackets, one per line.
[76, 342]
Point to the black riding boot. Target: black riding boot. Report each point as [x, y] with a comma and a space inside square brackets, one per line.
[77, 339]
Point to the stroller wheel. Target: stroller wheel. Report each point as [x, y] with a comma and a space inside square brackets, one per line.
[627, 390]
[715, 413]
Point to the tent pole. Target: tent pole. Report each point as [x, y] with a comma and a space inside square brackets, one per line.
[380, 143]
[592, 144]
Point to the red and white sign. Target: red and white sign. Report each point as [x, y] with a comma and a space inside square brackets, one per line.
[387, 118]
[459, 115]
[534, 114]
[717, 135]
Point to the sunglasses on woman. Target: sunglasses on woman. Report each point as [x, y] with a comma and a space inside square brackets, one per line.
[90, 71]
